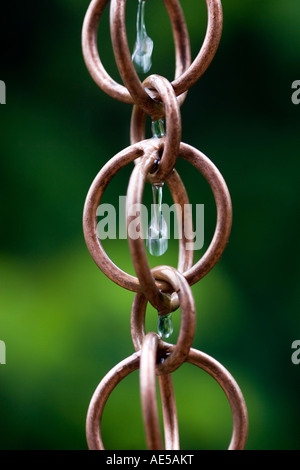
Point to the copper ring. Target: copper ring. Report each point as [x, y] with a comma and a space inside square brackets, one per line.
[182, 83]
[93, 199]
[207, 51]
[187, 324]
[232, 391]
[105, 388]
[149, 400]
[199, 359]
[95, 66]
[101, 395]
[137, 245]
[223, 224]
[173, 125]
[168, 402]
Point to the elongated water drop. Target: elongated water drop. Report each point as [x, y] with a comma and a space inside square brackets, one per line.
[143, 48]
[157, 241]
[158, 128]
[165, 326]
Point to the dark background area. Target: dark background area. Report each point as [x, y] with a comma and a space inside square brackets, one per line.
[65, 325]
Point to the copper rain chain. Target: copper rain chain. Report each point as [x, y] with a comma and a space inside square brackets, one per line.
[164, 287]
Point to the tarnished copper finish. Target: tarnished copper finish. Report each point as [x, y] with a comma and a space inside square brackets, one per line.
[173, 124]
[182, 83]
[137, 245]
[106, 387]
[187, 324]
[149, 400]
[198, 358]
[215, 370]
[223, 225]
[207, 51]
[148, 150]
[98, 72]
[164, 287]
[137, 125]
[171, 431]
[224, 213]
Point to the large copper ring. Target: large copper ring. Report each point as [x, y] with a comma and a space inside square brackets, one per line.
[223, 225]
[105, 388]
[145, 149]
[182, 83]
[187, 325]
[199, 359]
[98, 72]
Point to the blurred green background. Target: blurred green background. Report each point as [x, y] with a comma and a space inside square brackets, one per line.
[64, 323]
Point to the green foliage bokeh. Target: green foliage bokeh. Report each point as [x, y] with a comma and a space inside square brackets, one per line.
[65, 325]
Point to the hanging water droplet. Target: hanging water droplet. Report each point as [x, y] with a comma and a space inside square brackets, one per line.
[165, 326]
[143, 48]
[158, 128]
[157, 241]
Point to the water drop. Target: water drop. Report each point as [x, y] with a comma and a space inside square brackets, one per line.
[157, 240]
[165, 326]
[158, 128]
[143, 48]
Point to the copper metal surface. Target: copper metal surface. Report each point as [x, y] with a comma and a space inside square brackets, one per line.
[148, 392]
[106, 387]
[123, 55]
[173, 125]
[198, 358]
[164, 287]
[137, 245]
[149, 400]
[100, 397]
[223, 224]
[207, 51]
[182, 83]
[148, 150]
[187, 323]
[95, 66]
[171, 431]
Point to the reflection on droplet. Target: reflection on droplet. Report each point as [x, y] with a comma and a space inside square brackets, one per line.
[143, 48]
[158, 128]
[165, 326]
[157, 241]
